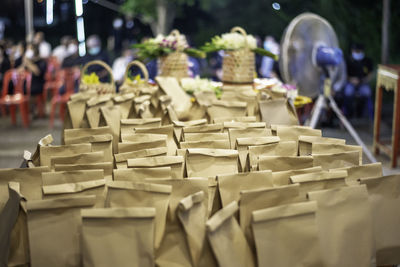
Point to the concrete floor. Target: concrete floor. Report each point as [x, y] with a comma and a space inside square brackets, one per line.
[15, 139]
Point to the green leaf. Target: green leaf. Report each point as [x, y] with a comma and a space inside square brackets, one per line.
[265, 53]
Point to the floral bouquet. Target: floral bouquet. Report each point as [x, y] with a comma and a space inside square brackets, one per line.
[239, 61]
[193, 85]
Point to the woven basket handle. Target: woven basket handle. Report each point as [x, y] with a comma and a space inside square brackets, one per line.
[141, 66]
[101, 63]
[242, 32]
[177, 35]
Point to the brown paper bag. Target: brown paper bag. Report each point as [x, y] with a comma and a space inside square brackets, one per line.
[284, 148]
[235, 133]
[66, 177]
[83, 158]
[143, 107]
[118, 237]
[235, 119]
[202, 162]
[248, 95]
[281, 163]
[135, 146]
[166, 129]
[337, 160]
[242, 125]
[76, 107]
[209, 128]
[262, 198]
[219, 144]
[178, 126]
[140, 174]
[193, 215]
[107, 167]
[121, 159]
[292, 133]
[278, 111]
[35, 158]
[85, 132]
[46, 152]
[175, 162]
[29, 179]
[345, 226]
[221, 108]
[128, 125]
[321, 148]
[354, 173]
[128, 194]
[214, 198]
[287, 235]
[384, 198]
[230, 185]
[55, 224]
[111, 116]
[318, 181]
[305, 143]
[124, 102]
[134, 137]
[192, 137]
[283, 177]
[225, 236]
[99, 143]
[93, 108]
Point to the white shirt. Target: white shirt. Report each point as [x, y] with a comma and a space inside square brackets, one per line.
[119, 67]
[60, 52]
[44, 49]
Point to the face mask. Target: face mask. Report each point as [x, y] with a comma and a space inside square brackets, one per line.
[94, 50]
[72, 48]
[29, 54]
[357, 55]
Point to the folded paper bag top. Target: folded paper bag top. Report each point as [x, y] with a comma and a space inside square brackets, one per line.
[305, 143]
[372, 170]
[63, 177]
[139, 174]
[91, 157]
[281, 163]
[46, 152]
[283, 177]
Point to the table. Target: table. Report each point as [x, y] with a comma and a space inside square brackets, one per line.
[388, 79]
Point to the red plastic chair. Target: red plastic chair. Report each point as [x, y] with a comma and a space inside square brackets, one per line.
[53, 77]
[18, 78]
[70, 77]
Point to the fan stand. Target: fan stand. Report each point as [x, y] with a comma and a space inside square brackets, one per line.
[316, 113]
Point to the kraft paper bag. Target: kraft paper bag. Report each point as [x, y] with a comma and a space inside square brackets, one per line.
[283, 177]
[178, 126]
[220, 108]
[175, 162]
[262, 198]
[107, 167]
[230, 185]
[208, 128]
[142, 106]
[128, 125]
[118, 237]
[321, 148]
[35, 158]
[227, 240]
[284, 148]
[166, 129]
[193, 215]
[249, 96]
[29, 179]
[140, 174]
[235, 133]
[214, 198]
[191, 137]
[242, 125]
[174, 250]
[66, 177]
[46, 152]
[278, 111]
[111, 116]
[76, 107]
[305, 143]
[219, 144]
[354, 173]
[121, 159]
[99, 143]
[287, 235]
[384, 198]
[94, 104]
[345, 226]
[85, 132]
[124, 194]
[135, 146]
[235, 119]
[337, 160]
[281, 163]
[203, 162]
[93, 187]
[54, 224]
[83, 158]
[124, 102]
[134, 137]
[292, 133]
[318, 181]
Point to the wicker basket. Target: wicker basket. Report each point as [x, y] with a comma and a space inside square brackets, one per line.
[174, 64]
[131, 87]
[239, 65]
[101, 88]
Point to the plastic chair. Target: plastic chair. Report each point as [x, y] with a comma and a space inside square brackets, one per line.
[17, 99]
[70, 77]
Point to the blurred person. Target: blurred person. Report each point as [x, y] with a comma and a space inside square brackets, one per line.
[357, 92]
[120, 64]
[267, 63]
[17, 54]
[61, 51]
[44, 47]
[5, 64]
[72, 59]
[94, 52]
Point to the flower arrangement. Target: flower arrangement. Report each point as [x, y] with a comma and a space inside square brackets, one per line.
[161, 45]
[91, 78]
[197, 84]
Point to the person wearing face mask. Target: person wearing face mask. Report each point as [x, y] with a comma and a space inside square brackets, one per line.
[119, 65]
[94, 52]
[72, 59]
[357, 96]
[61, 51]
